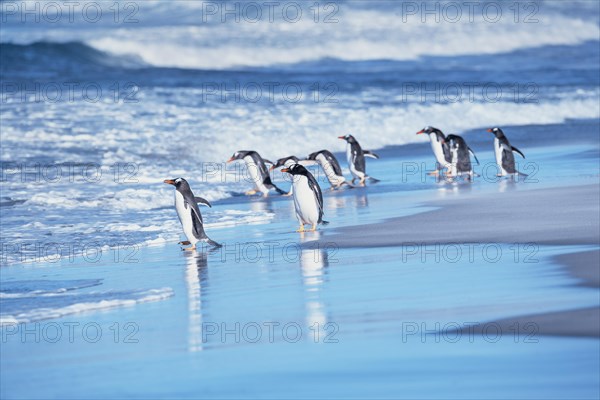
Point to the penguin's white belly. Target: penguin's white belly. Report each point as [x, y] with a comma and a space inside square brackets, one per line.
[185, 217]
[305, 201]
[438, 152]
[454, 165]
[354, 171]
[288, 164]
[254, 172]
[329, 172]
[498, 151]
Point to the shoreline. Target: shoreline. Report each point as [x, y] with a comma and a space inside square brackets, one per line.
[566, 215]
[580, 322]
[550, 216]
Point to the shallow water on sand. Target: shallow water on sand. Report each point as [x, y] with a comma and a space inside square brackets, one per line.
[270, 314]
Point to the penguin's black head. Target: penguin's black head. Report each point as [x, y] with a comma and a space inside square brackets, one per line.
[496, 131]
[177, 182]
[296, 169]
[348, 138]
[455, 140]
[282, 161]
[428, 130]
[238, 155]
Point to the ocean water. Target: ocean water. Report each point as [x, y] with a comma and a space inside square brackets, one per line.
[95, 114]
[97, 110]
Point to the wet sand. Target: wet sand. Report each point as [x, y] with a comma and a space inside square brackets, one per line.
[582, 322]
[550, 216]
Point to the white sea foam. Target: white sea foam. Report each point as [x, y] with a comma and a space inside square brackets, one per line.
[359, 34]
[126, 300]
[362, 33]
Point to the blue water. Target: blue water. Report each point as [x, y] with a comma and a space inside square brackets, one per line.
[95, 115]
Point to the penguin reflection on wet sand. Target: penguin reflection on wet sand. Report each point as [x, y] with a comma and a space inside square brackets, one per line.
[189, 214]
[331, 167]
[440, 148]
[257, 170]
[504, 154]
[355, 156]
[308, 199]
[461, 157]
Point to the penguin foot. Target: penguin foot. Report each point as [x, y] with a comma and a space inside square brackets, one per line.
[433, 173]
[190, 248]
[301, 229]
[313, 228]
[250, 192]
[288, 194]
[185, 243]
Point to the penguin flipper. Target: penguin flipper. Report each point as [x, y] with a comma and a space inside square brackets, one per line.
[474, 156]
[197, 224]
[368, 153]
[517, 151]
[268, 161]
[323, 222]
[202, 201]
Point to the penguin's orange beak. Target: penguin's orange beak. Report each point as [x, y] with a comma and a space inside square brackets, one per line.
[421, 131]
[230, 160]
[490, 130]
[271, 168]
[285, 170]
[341, 137]
[169, 181]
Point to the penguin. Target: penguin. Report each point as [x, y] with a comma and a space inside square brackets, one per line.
[356, 159]
[189, 214]
[440, 148]
[461, 157]
[504, 153]
[331, 167]
[287, 162]
[308, 199]
[258, 172]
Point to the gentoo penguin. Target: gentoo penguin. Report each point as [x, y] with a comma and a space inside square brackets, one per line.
[287, 162]
[461, 157]
[257, 170]
[439, 146]
[356, 159]
[308, 199]
[504, 153]
[189, 213]
[330, 166]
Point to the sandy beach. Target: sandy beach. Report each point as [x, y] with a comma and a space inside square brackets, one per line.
[552, 216]
[130, 130]
[381, 285]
